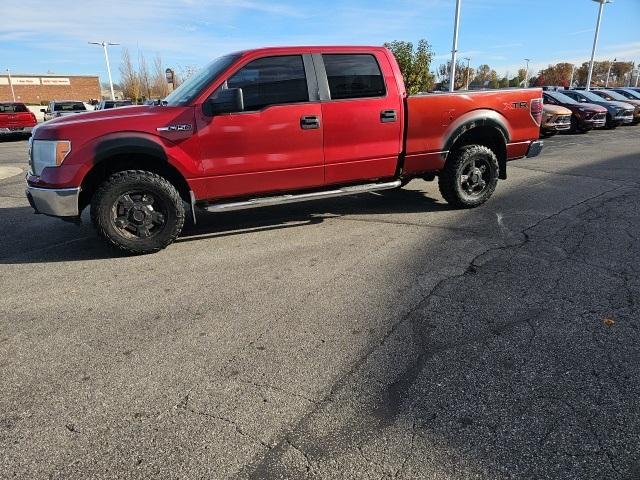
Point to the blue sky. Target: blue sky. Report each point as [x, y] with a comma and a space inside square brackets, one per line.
[38, 36]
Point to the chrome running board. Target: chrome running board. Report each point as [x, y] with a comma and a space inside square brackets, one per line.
[302, 197]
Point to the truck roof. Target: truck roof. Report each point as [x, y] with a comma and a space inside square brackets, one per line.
[312, 49]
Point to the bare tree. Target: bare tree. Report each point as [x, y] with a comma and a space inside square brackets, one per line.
[143, 75]
[129, 77]
[160, 89]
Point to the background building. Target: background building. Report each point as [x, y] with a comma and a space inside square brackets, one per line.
[40, 89]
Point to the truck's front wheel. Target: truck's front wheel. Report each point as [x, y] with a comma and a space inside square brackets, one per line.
[137, 211]
[469, 177]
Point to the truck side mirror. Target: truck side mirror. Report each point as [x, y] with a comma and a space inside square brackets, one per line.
[43, 110]
[230, 100]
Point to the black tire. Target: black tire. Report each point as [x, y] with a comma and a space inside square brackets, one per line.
[611, 125]
[137, 212]
[548, 133]
[479, 184]
[576, 127]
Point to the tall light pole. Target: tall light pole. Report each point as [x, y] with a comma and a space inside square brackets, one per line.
[106, 57]
[454, 50]
[13, 94]
[595, 40]
[606, 84]
[468, 64]
[573, 72]
[526, 73]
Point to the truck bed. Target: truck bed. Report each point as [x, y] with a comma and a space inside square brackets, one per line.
[428, 114]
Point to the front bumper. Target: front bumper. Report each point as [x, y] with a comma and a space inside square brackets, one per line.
[597, 121]
[624, 118]
[14, 130]
[535, 148]
[558, 123]
[62, 202]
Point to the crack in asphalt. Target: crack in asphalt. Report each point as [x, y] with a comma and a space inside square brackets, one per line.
[183, 405]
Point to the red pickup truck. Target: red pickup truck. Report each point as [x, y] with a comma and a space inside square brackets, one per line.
[15, 119]
[273, 126]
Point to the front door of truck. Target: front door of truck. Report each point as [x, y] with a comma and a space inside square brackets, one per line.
[275, 143]
[362, 117]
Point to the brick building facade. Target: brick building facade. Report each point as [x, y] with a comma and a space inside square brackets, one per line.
[40, 89]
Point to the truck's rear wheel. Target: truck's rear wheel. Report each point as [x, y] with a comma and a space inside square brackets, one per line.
[469, 177]
[137, 211]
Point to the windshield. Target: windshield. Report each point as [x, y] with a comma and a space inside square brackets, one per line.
[12, 108]
[630, 94]
[612, 96]
[562, 98]
[591, 96]
[69, 107]
[190, 89]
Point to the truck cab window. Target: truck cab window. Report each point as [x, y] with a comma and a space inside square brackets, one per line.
[271, 81]
[353, 76]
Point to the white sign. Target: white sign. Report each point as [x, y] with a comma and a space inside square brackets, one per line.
[4, 81]
[55, 81]
[25, 81]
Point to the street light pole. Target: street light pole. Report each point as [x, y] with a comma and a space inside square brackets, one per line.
[573, 71]
[454, 51]
[468, 64]
[526, 74]
[13, 94]
[595, 40]
[106, 57]
[606, 84]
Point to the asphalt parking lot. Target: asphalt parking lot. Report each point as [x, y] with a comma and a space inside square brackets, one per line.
[377, 336]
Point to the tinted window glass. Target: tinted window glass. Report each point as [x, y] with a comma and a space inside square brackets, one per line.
[271, 81]
[561, 97]
[69, 107]
[353, 76]
[13, 108]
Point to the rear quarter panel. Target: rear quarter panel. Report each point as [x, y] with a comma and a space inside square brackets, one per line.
[435, 120]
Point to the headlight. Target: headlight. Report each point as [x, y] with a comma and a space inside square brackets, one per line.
[48, 153]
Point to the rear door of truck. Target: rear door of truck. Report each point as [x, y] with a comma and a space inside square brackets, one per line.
[361, 112]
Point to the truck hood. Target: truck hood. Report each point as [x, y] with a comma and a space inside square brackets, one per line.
[100, 115]
[142, 119]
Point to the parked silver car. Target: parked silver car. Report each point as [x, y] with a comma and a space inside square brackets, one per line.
[62, 108]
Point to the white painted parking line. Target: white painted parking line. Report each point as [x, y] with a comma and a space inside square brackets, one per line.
[6, 172]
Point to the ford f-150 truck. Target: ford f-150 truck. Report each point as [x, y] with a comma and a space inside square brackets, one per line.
[273, 126]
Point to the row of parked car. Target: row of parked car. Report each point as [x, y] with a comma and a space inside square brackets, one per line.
[579, 110]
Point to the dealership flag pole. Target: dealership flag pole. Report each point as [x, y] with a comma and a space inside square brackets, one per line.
[11, 85]
[609, 72]
[468, 64]
[454, 51]
[595, 40]
[573, 71]
[106, 57]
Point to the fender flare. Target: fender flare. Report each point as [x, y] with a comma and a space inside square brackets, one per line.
[127, 143]
[474, 119]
